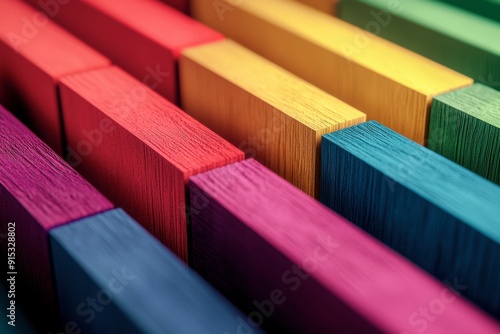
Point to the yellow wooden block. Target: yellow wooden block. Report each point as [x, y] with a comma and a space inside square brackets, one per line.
[326, 6]
[389, 83]
[267, 112]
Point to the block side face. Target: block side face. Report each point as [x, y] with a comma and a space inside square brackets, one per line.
[420, 169]
[30, 93]
[346, 68]
[114, 253]
[24, 240]
[224, 247]
[233, 225]
[166, 129]
[270, 83]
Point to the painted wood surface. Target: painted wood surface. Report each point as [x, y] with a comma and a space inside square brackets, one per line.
[326, 6]
[182, 5]
[114, 277]
[144, 37]
[298, 267]
[448, 35]
[465, 128]
[38, 191]
[386, 82]
[264, 110]
[486, 8]
[440, 215]
[138, 148]
[34, 54]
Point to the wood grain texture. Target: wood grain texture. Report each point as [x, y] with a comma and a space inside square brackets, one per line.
[448, 35]
[137, 285]
[266, 111]
[326, 6]
[430, 209]
[22, 322]
[386, 82]
[486, 8]
[465, 128]
[34, 54]
[38, 191]
[144, 154]
[304, 268]
[144, 37]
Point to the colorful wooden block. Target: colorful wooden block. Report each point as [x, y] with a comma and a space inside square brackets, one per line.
[486, 8]
[114, 277]
[465, 128]
[144, 37]
[438, 214]
[448, 35]
[266, 111]
[297, 267]
[34, 54]
[14, 320]
[38, 191]
[326, 6]
[138, 148]
[386, 82]
[182, 5]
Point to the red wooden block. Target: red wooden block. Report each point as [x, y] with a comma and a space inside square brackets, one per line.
[182, 5]
[34, 54]
[144, 37]
[38, 191]
[295, 266]
[138, 148]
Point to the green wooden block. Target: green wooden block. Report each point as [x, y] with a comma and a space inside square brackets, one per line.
[454, 37]
[486, 8]
[465, 127]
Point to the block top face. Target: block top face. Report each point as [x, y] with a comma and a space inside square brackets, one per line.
[478, 101]
[48, 188]
[44, 43]
[458, 191]
[448, 20]
[184, 142]
[359, 269]
[339, 37]
[158, 22]
[270, 83]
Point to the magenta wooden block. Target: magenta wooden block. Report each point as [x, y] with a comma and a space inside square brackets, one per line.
[38, 191]
[293, 265]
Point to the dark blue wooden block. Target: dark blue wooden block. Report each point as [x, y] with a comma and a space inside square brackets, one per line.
[114, 277]
[440, 215]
